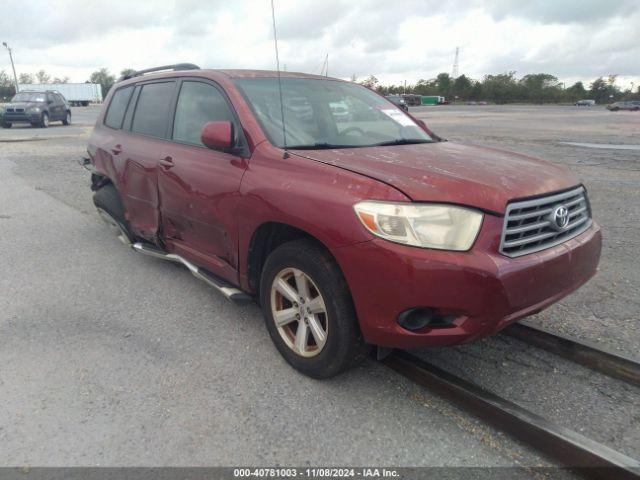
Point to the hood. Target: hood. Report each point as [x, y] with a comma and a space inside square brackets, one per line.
[481, 177]
[24, 105]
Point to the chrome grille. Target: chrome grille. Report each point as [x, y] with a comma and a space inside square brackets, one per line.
[530, 225]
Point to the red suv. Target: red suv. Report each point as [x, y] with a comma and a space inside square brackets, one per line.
[352, 229]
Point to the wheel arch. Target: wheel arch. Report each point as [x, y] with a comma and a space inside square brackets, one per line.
[98, 180]
[265, 239]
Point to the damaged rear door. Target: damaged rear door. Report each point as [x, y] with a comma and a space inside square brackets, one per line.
[147, 119]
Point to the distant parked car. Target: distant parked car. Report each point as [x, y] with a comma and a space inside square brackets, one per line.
[633, 105]
[36, 108]
[398, 101]
[300, 107]
[340, 111]
[585, 103]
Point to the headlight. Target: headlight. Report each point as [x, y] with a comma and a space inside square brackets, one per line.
[444, 227]
[34, 109]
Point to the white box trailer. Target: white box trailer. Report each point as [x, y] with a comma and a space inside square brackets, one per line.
[77, 94]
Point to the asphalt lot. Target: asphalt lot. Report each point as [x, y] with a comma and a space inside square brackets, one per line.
[112, 358]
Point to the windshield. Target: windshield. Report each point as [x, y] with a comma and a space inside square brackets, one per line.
[327, 114]
[29, 97]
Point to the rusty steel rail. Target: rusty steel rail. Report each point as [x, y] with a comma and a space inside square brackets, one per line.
[588, 354]
[570, 449]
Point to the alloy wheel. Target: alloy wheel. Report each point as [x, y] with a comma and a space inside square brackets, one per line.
[299, 312]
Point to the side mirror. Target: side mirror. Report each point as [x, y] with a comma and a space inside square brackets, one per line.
[217, 135]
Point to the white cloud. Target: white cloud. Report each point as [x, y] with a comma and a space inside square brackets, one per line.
[396, 41]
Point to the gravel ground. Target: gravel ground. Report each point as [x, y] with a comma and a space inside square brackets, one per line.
[112, 358]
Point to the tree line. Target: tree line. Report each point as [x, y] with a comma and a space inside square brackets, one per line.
[499, 88]
[507, 88]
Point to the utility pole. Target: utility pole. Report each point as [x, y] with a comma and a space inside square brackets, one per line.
[15, 77]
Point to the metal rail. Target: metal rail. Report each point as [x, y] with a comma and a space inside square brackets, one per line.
[585, 353]
[570, 449]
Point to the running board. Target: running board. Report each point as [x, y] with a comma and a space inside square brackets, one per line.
[229, 291]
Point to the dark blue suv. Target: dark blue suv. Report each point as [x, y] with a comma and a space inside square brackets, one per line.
[36, 108]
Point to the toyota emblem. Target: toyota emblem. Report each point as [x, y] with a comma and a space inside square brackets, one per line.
[560, 217]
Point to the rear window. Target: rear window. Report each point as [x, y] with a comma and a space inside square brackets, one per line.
[153, 109]
[117, 107]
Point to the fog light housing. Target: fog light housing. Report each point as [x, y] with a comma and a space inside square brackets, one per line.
[418, 318]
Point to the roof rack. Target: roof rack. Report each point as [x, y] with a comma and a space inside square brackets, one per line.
[175, 67]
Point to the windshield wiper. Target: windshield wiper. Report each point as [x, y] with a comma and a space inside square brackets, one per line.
[320, 146]
[328, 146]
[401, 141]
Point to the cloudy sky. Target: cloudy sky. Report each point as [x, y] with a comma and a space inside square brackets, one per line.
[395, 40]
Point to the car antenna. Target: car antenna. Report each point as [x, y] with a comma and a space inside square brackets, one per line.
[275, 41]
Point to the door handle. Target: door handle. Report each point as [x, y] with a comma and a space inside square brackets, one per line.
[117, 149]
[166, 162]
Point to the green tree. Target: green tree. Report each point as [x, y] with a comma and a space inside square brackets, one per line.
[445, 84]
[604, 91]
[426, 87]
[501, 88]
[576, 92]
[104, 79]
[540, 88]
[370, 82]
[462, 87]
[476, 91]
[25, 78]
[127, 71]
[7, 88]
[60, 80]
[43, 77]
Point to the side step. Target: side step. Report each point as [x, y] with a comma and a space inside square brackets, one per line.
[229, 291]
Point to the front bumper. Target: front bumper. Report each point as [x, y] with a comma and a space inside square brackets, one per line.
[483, 289]
[20, 117]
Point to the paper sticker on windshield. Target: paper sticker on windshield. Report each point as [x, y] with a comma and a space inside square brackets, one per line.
[398, 116]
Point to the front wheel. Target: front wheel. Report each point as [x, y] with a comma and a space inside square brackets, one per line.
[7, 125]
[44, 120]
[309, 311]
[67, 119]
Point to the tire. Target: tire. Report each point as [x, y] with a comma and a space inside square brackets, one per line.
[44, 120]
[7, 125]
[343, 346]
[108, 200]
[67, 118]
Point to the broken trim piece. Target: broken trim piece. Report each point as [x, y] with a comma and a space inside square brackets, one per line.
[229, 291]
